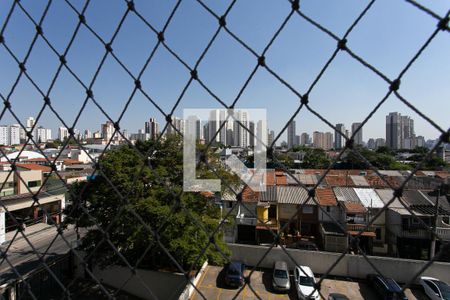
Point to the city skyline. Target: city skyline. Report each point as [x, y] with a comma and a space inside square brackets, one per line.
[354, 89]
[232, 134]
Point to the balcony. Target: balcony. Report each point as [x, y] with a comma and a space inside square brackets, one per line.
[360, 227]
[443, 233]
[267, 224]
[246, 221]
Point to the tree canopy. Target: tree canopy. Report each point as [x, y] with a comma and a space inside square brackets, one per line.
[152, 187]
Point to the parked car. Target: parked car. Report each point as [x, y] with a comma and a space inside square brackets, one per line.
[280, 277]
[336, 296]
[305, 283]
[234, 274]
[434, 288]
[303, 245]
[387, 288]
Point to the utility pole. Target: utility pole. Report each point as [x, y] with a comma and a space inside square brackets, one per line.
[436, 214]
[443, 189]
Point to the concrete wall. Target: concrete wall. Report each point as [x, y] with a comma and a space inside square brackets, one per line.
[7, 190]
[75, 179]
[2, 226]
[26, 177]
[335, 211]
[354, 266]
[163, 285]
[16, 204]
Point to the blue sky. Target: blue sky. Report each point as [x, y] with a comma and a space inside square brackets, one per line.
[387, 37]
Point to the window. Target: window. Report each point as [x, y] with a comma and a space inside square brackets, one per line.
[378, 233]
[308, 209]
[34, 183]
[328, 208]
[405, 223]
[8, 185]
[432, 286]
[272, 212]
[415, 221]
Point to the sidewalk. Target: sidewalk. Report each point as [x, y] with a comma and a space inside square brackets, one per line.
[29, 231]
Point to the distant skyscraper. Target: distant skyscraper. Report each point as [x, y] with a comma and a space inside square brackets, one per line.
[291, 134]
[408, 135]
[4, 135]
[176, 126]
[206, 132]
[399, 131]
[152, 128]
[323, 140]
[380, 142]
[328, 141]
[304, 139]
[199, 130]
[216, 118]
[261, 140]
[30, 122]
[339, 140]
[318, 139]
[371, 144]
[393, 131]
[357, 136]
[270, 138]
[252, 134]
[241, 135]
[107, 131]
[97, 135]
[42, 135]
[87, 134]
[63, 133]
[14, 134]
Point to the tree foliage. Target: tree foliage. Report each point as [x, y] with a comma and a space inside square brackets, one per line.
[315, 159]
[153, 191]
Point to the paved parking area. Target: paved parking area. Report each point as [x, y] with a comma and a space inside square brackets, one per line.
[359, 290]
[212, 287]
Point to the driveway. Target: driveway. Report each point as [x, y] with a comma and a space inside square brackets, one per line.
[211, 286]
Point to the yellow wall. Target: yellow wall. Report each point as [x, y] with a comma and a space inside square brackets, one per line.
[262, 212]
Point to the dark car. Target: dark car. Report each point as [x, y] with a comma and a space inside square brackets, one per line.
[387, 288]
[234, 274]
[336, 296]
[303, 245]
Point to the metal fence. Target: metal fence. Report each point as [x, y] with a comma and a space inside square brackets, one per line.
[393, 88]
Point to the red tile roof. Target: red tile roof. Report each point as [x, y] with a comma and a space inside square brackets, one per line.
[376, 181]
[37, 159]
[248, 195]
[35, 167]
[270, 178]
[334, 180]
[281, 179]
[71, 161]
[354, 208]
[326, 197]
[442, 174]
[207, 194]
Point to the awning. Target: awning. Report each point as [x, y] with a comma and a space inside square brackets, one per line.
[364, 233]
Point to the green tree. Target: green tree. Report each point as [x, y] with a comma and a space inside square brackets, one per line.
[157, 198]
[54, 144]
[316, 159]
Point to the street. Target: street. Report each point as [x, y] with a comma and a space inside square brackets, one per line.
[22, 256]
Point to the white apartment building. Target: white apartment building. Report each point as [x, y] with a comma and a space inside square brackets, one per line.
[63, 133]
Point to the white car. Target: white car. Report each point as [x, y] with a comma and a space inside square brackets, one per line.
[435, 289]
[304, 283]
